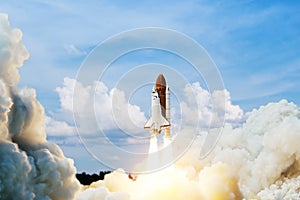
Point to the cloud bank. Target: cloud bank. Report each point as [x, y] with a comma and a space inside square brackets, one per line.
[129, 117]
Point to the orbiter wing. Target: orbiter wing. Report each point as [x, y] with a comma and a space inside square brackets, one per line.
[149, 123]
[163, 122]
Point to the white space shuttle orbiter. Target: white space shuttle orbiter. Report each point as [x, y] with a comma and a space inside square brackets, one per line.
[160, 108]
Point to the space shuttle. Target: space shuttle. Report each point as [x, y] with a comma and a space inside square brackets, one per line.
[160, 108]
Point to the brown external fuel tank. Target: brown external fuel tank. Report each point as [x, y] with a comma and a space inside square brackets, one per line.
[160, 87]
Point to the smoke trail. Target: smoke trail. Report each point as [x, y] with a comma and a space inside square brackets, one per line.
[153, 144]
[30, 166]
[153, 156]
[167, 153]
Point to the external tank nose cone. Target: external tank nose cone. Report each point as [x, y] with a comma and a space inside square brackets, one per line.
[160, 81]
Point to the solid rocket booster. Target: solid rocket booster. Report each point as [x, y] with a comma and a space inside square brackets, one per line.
[160, 112]
[168, 114]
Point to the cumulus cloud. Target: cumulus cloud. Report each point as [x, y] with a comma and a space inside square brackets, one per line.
[58, 128]
[211, 109]
[122, 115]
[30, 166]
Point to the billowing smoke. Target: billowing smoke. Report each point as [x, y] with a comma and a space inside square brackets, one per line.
[30, 166]
[257, 160]
[260, 152]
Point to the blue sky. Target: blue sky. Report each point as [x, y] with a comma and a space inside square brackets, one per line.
[255, 44]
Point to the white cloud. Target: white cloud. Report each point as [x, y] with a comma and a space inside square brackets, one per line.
[73, 50]
[199, 103]
[233, 113]
[58, 128]
[111, 108]
[114, 112]
[66, 94]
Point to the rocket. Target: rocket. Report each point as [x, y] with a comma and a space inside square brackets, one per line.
[160, 108]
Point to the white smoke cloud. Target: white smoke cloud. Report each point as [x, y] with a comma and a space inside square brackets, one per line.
[216, 182]
[260, 159]
[30, 166]
[283, 189]
[13, 52]
[5, 104]
[27, 117]
[260, 151]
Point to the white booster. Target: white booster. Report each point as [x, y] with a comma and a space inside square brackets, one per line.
[168, 114]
